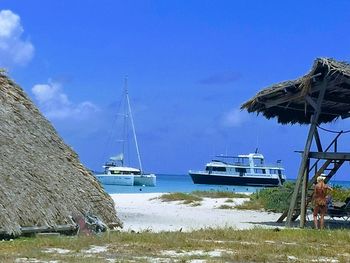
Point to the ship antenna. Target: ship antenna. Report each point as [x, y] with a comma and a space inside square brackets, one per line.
[257, 143]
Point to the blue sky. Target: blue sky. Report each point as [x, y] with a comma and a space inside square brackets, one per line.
[190, 65]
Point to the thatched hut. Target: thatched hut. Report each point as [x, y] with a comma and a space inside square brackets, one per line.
[320, 96]
[43, 182]
[288, 101]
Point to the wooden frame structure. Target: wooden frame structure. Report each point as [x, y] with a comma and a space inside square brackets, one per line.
[321, 96]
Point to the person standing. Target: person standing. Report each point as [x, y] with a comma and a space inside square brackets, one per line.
[320, 200]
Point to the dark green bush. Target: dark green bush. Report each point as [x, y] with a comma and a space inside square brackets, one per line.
[339, 194]
[275, 199]
[278, 199]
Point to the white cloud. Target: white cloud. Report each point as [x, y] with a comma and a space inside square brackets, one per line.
[55, 103]
[234, 118]
[13, 49]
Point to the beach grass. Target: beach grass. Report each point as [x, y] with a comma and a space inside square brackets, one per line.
[186, 198]
[195, 197]
[224, 206]
[269, 199]
[212, 245]
[251, 204]
[219, 194]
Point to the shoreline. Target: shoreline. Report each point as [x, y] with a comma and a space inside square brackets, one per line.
[144, 212]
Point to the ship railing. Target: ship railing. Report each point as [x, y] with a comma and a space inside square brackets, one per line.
[206, 172]
[277, 165]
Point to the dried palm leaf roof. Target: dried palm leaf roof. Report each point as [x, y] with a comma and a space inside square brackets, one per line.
[43, 182]
[291, 101]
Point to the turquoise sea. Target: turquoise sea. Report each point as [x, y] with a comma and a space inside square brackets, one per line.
[168, 183]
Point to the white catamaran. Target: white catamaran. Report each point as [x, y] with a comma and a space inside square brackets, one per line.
[115, 172]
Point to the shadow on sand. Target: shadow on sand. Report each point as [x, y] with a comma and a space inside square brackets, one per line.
[329, 223]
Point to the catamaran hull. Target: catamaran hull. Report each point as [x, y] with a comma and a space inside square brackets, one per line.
[145, 180]
[198, 178]
[127, 180]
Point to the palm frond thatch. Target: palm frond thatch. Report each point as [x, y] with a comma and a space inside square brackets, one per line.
[43, 182]
[289, 101]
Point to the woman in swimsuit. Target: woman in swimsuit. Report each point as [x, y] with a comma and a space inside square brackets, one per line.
[320, 200]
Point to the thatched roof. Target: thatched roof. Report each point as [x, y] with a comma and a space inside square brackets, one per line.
[42, 182]
[289, 101]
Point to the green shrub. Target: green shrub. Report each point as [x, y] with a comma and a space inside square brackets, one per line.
[276, 199]
[339, 194]
[272, 199]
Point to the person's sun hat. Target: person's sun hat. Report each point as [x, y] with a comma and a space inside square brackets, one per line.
[321, 177]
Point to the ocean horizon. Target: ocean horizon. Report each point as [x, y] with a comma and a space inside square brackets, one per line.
[169, 183]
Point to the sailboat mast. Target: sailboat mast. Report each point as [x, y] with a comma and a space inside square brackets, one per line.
[132, 125]
[125, 129]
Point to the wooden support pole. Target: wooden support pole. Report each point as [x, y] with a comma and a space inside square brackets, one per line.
[282, 217]
[311, 101]
[318, 141]
[304, 195]
[336, 146]
[305, 155]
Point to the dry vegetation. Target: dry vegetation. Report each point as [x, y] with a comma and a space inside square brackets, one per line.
[209, 245]
[196, 197]
[185, 198]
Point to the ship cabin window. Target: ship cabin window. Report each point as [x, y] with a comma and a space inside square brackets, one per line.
[260, 171]
[258, 161]
[215, 168]
[209, 169]
[115, 172]
[273, 171]
[219, 169]
[241, 171]
[134, 173]
[279, 172]
[241, 160]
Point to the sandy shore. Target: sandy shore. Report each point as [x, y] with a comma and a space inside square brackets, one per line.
[145, 212]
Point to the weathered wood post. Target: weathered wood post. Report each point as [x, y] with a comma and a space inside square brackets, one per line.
[305, 155]
[304, 195]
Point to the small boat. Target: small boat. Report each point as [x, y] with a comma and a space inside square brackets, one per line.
[116, 177]
[115, 172]
[243, 170]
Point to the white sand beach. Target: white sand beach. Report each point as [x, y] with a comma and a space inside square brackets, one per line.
[140, 212]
